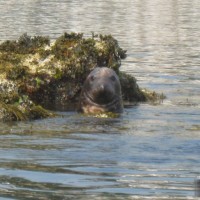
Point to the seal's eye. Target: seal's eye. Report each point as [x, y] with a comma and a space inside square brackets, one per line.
[92, 78]
[113, 78]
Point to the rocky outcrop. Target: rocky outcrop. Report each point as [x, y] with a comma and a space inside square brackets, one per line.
[37, 74]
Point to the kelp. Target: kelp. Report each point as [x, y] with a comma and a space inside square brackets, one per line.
[9, 112]
[14, 112]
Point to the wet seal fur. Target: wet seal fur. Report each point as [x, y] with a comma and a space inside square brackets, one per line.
[101, 92]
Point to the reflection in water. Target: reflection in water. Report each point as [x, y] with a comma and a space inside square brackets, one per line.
[151, 151]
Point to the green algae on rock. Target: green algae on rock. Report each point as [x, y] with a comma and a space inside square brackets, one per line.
[36, 74]
[25, 44]
[133, 93]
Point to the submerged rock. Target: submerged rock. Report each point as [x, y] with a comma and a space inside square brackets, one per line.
[37, 74]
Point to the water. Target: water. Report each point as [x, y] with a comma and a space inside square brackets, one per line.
[151, 151]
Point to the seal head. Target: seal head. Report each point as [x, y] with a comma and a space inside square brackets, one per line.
[101, 92]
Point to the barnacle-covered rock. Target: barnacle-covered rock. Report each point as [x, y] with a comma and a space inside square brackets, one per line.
[36, 74]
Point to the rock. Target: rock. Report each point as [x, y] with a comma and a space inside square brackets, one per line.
[37, 74]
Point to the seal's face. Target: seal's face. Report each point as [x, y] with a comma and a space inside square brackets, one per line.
[101, 92]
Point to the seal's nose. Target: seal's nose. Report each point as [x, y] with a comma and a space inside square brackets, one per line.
[102, 87]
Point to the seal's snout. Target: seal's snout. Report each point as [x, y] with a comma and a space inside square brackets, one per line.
[101, 92]
[104, 89]
[101, 88]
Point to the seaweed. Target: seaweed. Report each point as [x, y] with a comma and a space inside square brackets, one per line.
[38, 112]
[16, 72]
[25, 44]
[10, 112]
[130, 89]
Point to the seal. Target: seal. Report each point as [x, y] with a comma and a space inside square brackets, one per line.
[101, 92]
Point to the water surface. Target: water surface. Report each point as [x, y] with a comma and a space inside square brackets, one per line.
[152, 150]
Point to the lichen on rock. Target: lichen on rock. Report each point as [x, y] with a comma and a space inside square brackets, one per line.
[37, 74]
